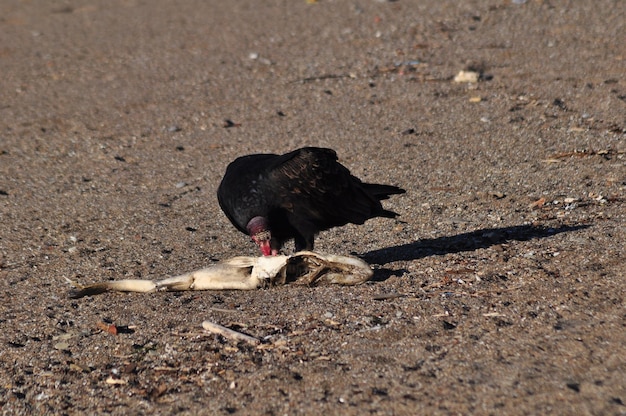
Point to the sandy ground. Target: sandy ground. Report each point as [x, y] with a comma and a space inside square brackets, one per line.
[500, 290]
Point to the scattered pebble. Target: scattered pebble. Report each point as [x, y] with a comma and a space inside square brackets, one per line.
[466, 76]
[229, 123]
[41, 396]
[254, 56]
[63, 346]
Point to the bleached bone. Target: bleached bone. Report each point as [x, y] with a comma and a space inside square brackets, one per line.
[246, 273]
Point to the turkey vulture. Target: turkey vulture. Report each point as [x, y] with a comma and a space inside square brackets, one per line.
[274, 198]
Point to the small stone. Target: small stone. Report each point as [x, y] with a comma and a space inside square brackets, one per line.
[466, 76]
[63, 346]
[41, 396]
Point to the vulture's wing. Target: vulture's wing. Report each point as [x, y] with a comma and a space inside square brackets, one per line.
[312, 184]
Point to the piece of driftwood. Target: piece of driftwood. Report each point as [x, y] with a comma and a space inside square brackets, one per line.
[246, 273]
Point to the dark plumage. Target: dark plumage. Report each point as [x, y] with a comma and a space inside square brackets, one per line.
[274, 198]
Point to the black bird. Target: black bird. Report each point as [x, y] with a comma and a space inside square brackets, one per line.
[274, 198]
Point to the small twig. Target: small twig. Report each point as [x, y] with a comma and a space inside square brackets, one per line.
[224, 310]
[387, 296]
[475, 294]
[493, 314]
[321, 77]
[229, 333]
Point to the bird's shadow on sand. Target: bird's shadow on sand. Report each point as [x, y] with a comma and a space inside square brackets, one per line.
[469, 241]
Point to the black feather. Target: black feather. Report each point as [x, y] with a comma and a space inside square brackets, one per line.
[299, 193]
